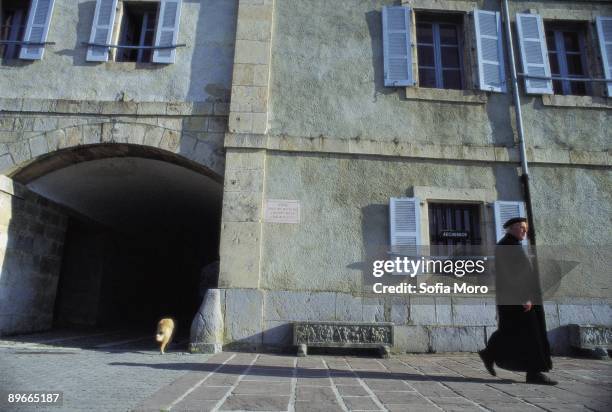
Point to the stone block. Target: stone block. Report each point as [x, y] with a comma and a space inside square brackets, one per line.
[588, 158]
[294, 306]
[581, 312]
[217, 124]
[237, 180]
[422, 311]
[20, 151]
[277, 333]
[92, 133]
[153, 136]
[245, 159]
[243, 75]
[552, 315]
[250, 29]
[260, 123]
[38, 146]
[170, 141]
[474, 312]
[457, 338]
[91, 107]
[6, 162]
[399, 313]
[178, 108]
[243, 315]
[252, 52]
[412, 339]
[54, 138]
[202, 108]
[240, 122]
[6, 123]
[150, 108]
[239, 251]
[373, 309]
[349, 308]
[444, 311]
[249, 99]
[196, 123]
[221, 109]
[242, 206]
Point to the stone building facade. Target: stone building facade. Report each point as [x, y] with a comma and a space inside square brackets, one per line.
[291, 100]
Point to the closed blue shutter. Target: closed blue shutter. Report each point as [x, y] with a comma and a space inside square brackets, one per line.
[397, 49]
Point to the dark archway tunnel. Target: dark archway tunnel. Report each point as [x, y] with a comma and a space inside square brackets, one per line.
[140, 231]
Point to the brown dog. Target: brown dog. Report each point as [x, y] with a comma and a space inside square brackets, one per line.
[165, 329]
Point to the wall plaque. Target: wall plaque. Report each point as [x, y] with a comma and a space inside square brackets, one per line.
[282, 211]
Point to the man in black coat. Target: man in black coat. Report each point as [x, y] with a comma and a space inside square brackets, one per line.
[520, 342]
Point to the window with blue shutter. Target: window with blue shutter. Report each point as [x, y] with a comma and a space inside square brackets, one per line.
[397, 46]
[490, 51]
[534, 54]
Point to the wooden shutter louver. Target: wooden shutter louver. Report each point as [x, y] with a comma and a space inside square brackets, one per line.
[167, 30]
[534, 53]
[505, 210]
[489, 50]
[37, 29]
[604, 34]
[405, 225]
[102, 30]
[397, 49]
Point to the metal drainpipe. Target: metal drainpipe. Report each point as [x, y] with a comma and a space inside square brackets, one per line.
[519, 125]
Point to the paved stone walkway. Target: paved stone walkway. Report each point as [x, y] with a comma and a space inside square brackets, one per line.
[251, 382]
[117, 371]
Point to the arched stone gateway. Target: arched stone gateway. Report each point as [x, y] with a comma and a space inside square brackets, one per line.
[116, 138]
[108, 225]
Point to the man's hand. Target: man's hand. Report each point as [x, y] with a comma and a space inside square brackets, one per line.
[527, 306]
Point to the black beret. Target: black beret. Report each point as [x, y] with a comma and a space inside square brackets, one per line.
[514, 220]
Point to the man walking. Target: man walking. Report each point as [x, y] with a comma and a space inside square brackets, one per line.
[520, 342]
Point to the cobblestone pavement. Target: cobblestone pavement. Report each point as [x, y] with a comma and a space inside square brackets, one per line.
[118, 372]
[105, 371]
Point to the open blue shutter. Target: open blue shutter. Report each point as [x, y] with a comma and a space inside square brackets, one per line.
[404, 218]
[604, 33]
[167, 30]
[102, 30]
[490, 51]
[397, 49]
[505, 210]
[37, 29]
[534, 53]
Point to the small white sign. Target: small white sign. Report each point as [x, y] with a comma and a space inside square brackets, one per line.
[282, 211]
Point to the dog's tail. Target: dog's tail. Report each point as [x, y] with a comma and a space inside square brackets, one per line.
[159, 337]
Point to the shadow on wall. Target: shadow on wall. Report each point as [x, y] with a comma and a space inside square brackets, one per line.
[374, 22]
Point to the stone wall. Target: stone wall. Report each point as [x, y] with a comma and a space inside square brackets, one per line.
[32, 233]
[31, 128]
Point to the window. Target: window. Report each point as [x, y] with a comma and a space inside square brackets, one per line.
[136, 24]
[454, 224]
[14, 15]
[439, 51]
[137, 29]
[567, 57]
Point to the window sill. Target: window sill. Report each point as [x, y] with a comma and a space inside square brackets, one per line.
[591, 102]
[446, 95]
[129, 66]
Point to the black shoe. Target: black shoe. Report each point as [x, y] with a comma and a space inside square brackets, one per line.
[540, 379]
[488, 363]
